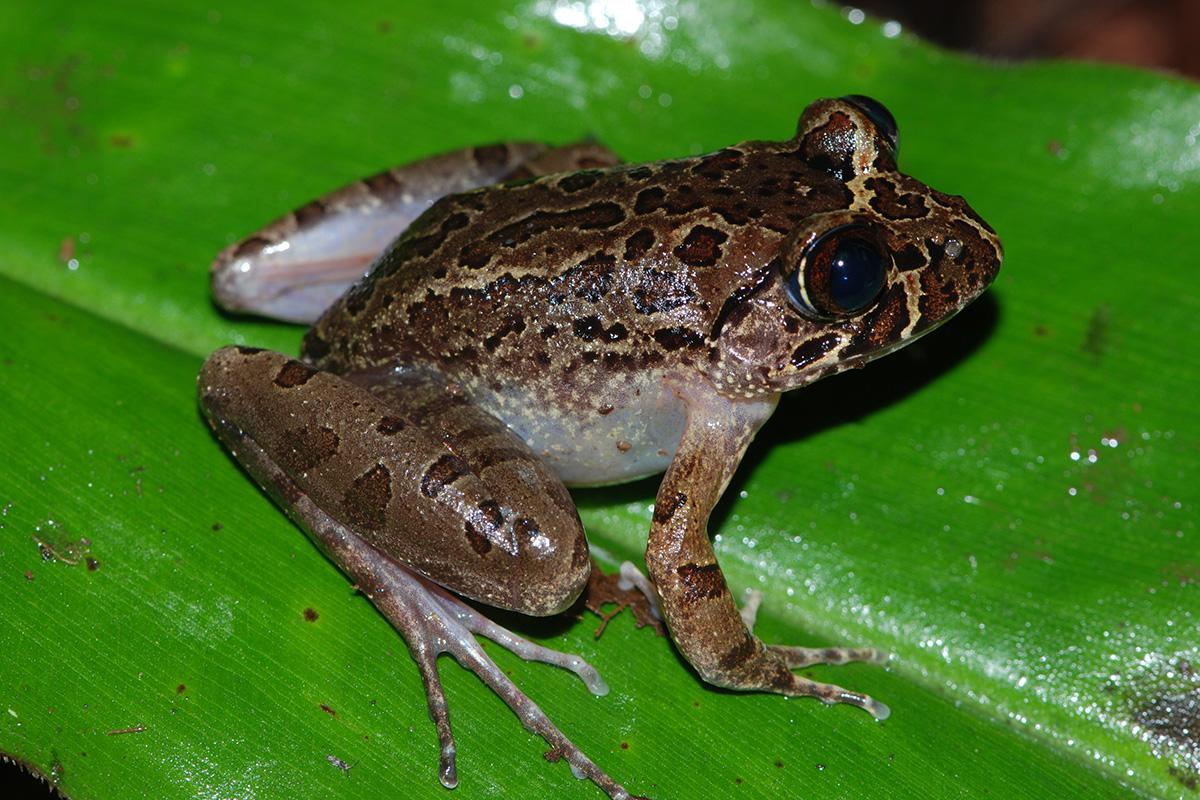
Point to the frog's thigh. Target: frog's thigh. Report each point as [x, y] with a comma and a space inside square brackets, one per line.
[587, 154]
[415, 473]
[298, 265]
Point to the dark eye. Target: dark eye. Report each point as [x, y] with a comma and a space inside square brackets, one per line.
[840, 274]
[879, 114]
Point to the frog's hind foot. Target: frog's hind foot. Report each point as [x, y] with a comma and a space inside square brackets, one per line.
[433, 622]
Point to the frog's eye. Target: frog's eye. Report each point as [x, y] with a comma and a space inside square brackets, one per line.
[840, 273]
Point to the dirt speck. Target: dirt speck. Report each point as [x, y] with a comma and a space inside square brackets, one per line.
[130, 729]
[55, 544]
[1095, 340]
[602, 590]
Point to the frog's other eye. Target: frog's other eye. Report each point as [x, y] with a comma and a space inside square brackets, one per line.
[878, 113]
[840, 273]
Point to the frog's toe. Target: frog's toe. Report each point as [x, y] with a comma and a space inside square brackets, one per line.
[434, 622]
[770, 669]
[831, 693]
[797, 657]
[634, 578]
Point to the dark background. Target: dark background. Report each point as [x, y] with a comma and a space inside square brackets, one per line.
[1161, 34]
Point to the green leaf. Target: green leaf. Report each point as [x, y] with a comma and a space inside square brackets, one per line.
[1009, 506]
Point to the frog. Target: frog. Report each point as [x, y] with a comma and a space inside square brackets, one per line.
[493, 325]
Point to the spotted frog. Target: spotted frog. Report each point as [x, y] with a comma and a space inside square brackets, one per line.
[550, 318]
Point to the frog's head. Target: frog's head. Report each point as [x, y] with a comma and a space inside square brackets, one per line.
[889, 262]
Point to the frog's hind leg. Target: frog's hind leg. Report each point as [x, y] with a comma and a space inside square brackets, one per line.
[295, 267]
[433, 622]
[413, 471]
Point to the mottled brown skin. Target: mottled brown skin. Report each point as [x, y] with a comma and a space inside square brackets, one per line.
[594, 326]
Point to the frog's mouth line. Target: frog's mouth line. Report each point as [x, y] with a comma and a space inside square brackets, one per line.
[854, 362]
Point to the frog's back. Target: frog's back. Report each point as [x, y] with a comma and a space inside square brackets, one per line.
[610, 267]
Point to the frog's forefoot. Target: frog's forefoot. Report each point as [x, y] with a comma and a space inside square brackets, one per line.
[433, 622]
[634, 578]
[793, 658]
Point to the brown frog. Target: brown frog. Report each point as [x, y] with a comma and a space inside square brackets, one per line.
[551, 317]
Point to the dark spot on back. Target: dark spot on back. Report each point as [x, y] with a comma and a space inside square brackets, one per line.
[526, 528]
[893, 204]
[577, 181]
[249, 351]
[389, 425]
[511, 323]
[701, 247]
[717, 164]
[587, 328]
[483, 527]
[638, 244]
[661, 291]
[649, 200]
[615, 332]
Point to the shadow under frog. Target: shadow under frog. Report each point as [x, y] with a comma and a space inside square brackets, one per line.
[550, 317]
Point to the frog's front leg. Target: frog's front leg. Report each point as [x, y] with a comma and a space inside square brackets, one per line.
[695, 600]
[407, 481]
